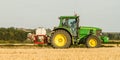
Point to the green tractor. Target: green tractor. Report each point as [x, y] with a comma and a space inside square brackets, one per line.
[70, 33]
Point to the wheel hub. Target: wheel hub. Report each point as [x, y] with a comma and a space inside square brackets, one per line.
[92, 42]
[60, 40]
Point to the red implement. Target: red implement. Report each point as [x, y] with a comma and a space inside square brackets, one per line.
[40, 39]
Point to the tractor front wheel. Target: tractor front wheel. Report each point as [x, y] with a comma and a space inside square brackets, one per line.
[93, 42]
[61, 39]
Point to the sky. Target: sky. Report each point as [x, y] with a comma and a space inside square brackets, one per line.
[104, 14]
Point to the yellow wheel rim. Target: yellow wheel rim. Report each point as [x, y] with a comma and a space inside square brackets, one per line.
[92, 42]
[60, 40]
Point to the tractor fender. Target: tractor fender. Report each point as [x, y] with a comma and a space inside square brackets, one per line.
[65, 30]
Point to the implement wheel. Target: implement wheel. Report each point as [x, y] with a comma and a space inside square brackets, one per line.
[61, 39]
[93, 42]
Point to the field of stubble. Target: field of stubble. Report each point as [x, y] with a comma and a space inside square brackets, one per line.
[43, 53]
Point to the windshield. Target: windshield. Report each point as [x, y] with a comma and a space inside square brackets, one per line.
[72, 24]
[69, 22]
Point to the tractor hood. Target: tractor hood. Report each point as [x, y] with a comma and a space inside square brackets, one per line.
[87, 30]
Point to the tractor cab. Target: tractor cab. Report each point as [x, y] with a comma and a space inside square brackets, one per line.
[71, 23]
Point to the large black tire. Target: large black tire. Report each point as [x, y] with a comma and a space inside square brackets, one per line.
[60, 39]
[93, 42]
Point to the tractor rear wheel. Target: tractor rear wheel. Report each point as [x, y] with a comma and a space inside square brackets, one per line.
[61, 39]
[93, 42]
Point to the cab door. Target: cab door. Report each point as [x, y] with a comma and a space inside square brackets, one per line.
[73, 26]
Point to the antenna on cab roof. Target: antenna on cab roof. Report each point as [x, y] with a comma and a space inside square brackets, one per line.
[75, 14]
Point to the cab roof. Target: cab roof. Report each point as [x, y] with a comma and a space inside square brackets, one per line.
[71, 17]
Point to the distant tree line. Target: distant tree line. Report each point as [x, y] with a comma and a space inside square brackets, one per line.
[112, 35]
[12, 34]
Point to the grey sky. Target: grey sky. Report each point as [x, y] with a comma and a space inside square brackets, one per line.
[36, 13]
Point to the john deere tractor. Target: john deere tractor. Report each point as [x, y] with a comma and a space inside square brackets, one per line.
[70, 33]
